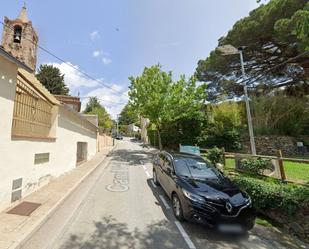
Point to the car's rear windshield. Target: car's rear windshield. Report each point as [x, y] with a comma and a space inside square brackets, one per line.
[195, 168]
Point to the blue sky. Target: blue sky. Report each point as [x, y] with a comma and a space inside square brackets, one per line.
[114, 39]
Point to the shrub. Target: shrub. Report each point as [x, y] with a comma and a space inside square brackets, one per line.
[182, 131]
[280, 115]
[225, 126]
[256, 166]
[267, 195]
[215, 155]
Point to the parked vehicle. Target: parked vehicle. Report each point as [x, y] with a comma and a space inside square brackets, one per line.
[119, 137]
[201, 193]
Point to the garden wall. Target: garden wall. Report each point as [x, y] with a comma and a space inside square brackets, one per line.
[269, 145]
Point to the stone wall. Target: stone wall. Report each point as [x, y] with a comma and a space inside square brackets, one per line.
[26, 50]
[298, 225]
[269, 145]
[104, 141]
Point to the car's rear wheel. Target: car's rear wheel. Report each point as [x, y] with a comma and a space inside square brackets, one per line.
[155, 178]
[177, 209]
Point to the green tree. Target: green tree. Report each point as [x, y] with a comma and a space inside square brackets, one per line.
[226, 124]
[128, 115]
[272, 33]
[94, 107]
[155, 96]
[280, 115]
[52, 79]
[92, 104]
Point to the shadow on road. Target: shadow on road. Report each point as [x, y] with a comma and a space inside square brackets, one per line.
[111, 234]
[133, 157]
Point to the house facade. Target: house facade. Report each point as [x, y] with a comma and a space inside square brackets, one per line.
[132, 128]
[40, 137]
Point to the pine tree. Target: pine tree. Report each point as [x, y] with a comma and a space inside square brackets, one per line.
[52, 79]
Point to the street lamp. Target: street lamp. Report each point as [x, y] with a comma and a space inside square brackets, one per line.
[117, 131]
[229, 50]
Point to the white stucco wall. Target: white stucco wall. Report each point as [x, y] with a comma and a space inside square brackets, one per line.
[17, 155]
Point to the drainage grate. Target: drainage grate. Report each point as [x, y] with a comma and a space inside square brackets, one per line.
[25, 208]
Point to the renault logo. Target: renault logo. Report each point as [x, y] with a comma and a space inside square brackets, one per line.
[228, 207]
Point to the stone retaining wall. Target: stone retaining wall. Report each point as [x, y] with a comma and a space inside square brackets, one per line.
[269, 145]
[298, 225]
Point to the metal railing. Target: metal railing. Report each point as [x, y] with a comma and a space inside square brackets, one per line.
[32, 116]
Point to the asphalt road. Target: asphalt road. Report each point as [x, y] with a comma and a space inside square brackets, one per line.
[118, 206]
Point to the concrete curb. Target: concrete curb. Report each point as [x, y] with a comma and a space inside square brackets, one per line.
[21, 240]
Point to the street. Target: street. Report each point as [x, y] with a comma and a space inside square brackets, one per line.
[118, 206]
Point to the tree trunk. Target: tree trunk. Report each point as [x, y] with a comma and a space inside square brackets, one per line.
[159, 139]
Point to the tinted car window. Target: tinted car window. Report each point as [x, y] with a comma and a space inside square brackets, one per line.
[181, 167]
[195, 168]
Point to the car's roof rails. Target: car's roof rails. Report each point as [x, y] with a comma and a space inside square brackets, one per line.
[173, 154]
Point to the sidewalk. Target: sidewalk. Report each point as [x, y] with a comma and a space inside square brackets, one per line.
[15, 228]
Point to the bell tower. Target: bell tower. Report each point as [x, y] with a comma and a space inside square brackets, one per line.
[20, 39]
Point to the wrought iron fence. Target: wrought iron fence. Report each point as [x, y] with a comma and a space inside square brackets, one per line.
[32, 113]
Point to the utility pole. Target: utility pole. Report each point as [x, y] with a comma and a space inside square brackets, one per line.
[251, 134]
[228, 50]
[117, 127]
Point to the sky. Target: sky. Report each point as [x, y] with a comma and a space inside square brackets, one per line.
[111, 40]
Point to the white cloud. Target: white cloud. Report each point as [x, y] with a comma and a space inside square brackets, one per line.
[111, 100]
[97, 53]
[106, 60]
[74, 78]
[94, 35]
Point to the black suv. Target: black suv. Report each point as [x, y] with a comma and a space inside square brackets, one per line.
[200, 192]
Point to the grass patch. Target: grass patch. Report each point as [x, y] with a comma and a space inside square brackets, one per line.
[230, 163]
[293, 170]
[263, 222]
[296, 171]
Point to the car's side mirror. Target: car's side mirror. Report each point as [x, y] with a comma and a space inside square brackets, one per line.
[219, 166]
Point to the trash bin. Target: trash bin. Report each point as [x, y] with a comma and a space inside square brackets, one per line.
[302, 150]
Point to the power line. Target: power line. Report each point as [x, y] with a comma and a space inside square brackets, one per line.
[252, 79]
[104, 100]
[69, 64]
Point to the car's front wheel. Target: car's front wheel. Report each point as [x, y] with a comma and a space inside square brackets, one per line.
[177, 209]
[155, 178]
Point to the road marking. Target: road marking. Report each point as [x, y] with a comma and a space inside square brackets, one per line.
[185, 235]
[144, 167]
[147, 173]
[164, 202]
[152, 183]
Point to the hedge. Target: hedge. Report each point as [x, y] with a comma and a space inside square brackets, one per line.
[269, 195]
